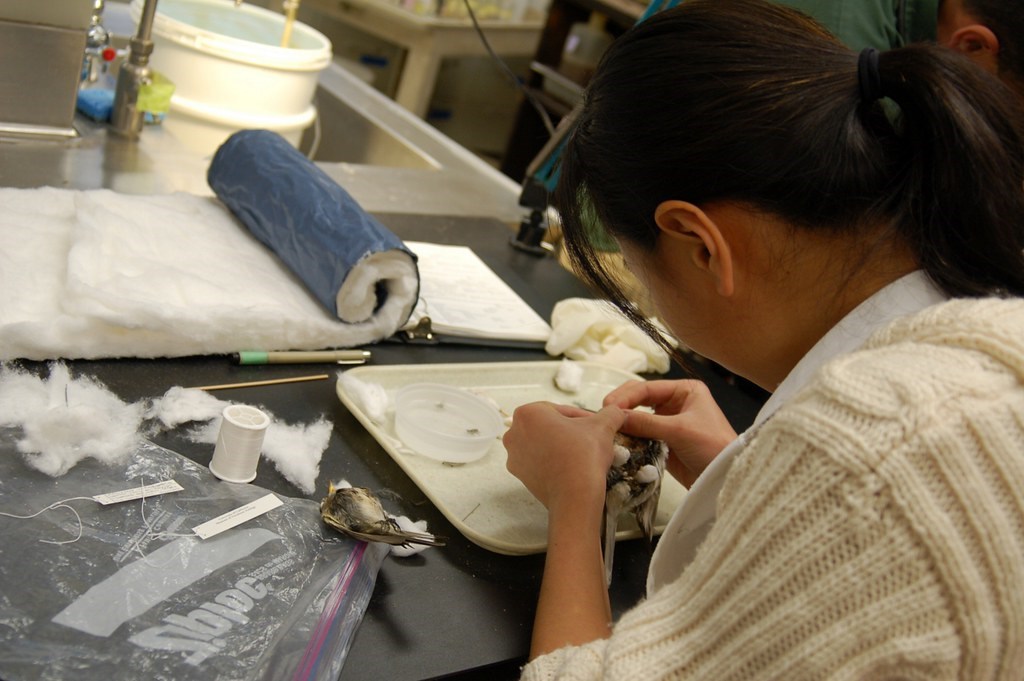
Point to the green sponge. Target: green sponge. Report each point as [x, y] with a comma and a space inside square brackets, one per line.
[155, 96]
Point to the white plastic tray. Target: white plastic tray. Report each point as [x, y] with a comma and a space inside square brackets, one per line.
[481, 498]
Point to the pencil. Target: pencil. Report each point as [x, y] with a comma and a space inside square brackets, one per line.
[303, 357]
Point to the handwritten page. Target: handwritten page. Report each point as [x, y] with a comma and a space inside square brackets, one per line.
[464, 297]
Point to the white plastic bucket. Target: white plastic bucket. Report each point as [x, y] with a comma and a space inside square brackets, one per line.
[229, 69]
[202, 129]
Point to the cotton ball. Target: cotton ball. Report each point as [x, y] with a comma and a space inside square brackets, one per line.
[569, 377]
[647, 474]
[620, 455]
[370, 397]
[408, 525]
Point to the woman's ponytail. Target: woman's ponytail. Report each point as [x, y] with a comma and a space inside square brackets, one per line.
[960, 204]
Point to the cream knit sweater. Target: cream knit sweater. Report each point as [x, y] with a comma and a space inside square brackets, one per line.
[872, 529]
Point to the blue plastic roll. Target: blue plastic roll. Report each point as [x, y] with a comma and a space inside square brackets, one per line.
[357, 268]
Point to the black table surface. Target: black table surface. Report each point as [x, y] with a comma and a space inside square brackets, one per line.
[455, 612]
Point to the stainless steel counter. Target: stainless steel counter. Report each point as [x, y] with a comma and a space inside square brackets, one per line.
[388, 159]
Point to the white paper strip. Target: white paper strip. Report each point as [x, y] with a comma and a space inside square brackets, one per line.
[156, 489]
[237, 516]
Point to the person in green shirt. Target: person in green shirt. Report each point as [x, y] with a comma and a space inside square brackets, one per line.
[988, 32]
[882, 24]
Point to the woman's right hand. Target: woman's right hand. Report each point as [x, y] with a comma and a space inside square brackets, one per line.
[686, 417]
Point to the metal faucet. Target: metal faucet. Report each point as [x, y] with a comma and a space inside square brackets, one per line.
[126, 118]
[97, 40]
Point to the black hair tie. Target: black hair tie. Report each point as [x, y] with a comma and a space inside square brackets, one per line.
[869, 79]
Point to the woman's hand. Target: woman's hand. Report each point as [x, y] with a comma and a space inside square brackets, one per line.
[562, 454]
[685, 416]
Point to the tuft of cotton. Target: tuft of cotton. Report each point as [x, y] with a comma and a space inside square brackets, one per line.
[620, 455]
[296, 450]
[65, 420]
[647, 474]
[206, 433]
[183, 405]
[569, 377]
[368, 396]
[408, 525]
[21, 394]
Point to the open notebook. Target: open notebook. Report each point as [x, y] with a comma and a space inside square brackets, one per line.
[463, 297]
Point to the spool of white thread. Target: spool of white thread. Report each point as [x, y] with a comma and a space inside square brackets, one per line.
[239, 443]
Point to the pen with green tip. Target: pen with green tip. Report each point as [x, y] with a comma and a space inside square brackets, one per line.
[303, 357]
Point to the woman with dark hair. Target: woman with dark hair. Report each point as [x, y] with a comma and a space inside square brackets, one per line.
[844, 230]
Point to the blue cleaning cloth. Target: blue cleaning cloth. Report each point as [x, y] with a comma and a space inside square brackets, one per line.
[355, 266]
[96, 103]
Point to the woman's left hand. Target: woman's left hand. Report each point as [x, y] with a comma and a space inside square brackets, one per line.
[562, 454]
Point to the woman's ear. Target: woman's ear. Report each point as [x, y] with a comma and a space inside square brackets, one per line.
[703, 242]
[978, 43]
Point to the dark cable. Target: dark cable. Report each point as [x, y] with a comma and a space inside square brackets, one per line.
[510, 74]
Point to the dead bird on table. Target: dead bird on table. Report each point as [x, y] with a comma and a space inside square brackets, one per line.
[357, 512]
[634, 484]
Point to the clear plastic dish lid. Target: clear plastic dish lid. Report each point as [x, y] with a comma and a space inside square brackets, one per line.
[445, 423]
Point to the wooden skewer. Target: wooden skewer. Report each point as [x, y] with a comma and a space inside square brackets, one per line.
[273, 381]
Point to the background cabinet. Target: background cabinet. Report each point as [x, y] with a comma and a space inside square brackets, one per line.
[528, 132]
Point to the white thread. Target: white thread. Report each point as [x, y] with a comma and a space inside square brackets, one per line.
[239, 443]
[155, 535]
[81, 526]
[57, 504]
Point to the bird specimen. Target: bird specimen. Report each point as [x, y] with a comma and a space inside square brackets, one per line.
[358, 513]
[633, 484]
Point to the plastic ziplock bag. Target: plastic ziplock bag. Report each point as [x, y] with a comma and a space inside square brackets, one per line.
[138, 595]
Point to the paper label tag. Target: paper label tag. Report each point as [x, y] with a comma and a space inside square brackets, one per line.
[154, 490]
[237, 516]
